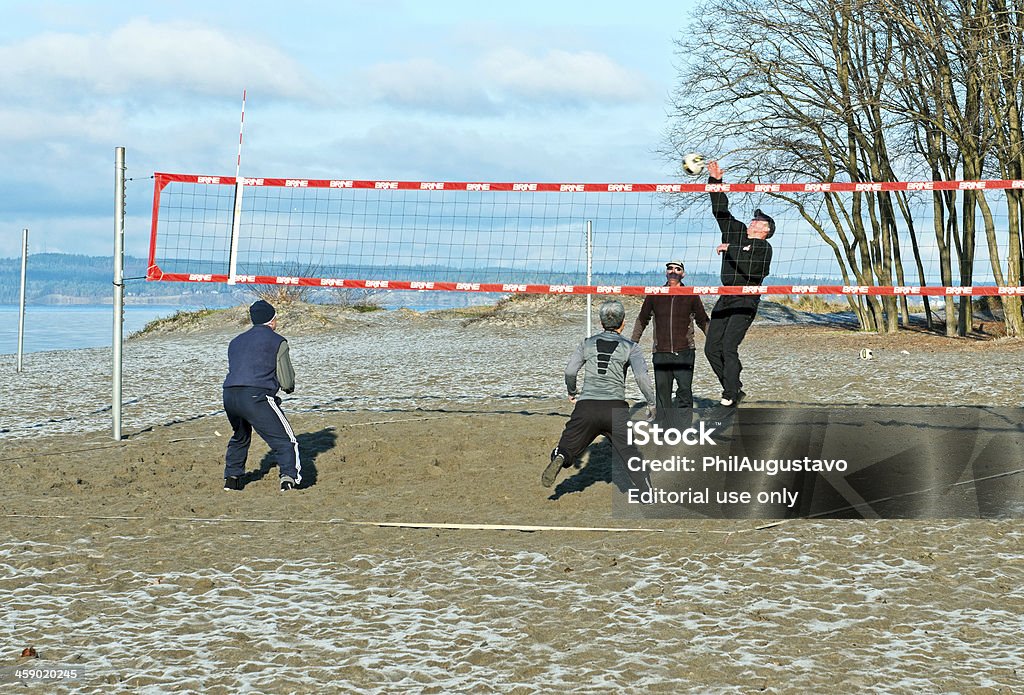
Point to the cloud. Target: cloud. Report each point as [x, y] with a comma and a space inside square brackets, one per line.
[564, 76]
[424, 83]
[423, 150]
[144, 57]
[498, 81]
[99, 124]
[87, 234]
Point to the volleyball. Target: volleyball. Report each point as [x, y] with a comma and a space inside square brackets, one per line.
[693, 164]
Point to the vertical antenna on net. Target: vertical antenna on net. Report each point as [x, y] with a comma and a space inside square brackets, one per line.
[241, 127]
[236, 216]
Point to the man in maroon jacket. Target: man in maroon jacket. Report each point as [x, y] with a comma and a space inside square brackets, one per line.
[674, 351]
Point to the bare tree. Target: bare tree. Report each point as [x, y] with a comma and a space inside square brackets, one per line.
[939, 89]
[960, 87]
[860, 90]
[1003, 93]
[791, 89]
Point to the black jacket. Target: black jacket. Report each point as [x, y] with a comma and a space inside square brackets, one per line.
[747, 261]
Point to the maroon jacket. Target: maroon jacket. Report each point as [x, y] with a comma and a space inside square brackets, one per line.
[674, 315]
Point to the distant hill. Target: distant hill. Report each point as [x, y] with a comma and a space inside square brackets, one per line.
[63, 278]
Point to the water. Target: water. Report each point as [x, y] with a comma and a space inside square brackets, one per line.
[63, 327]
[72, 327]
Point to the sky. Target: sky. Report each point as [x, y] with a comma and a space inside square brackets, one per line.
[567, 91]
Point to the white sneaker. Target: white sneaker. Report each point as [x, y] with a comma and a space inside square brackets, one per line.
[730, 402]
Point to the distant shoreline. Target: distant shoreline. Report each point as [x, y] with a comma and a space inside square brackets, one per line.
[132, 300]
[107, 305]
[87, 325]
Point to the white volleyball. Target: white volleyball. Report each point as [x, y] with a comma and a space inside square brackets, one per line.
[693, 164]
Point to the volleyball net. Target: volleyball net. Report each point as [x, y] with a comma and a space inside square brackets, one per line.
[892, 238]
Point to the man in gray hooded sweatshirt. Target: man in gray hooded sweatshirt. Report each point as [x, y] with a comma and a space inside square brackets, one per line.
[606, 357]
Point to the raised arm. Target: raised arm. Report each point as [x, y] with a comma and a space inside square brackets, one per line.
[732, 229]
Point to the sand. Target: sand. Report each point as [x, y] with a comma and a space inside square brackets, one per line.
[128, 561]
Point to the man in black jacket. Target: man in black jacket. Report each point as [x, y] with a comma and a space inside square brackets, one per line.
[674, 348]
[746, 260]
[258, 366]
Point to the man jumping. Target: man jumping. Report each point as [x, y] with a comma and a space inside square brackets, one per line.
[746, 260]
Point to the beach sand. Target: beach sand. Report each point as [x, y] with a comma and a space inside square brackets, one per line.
[128, 561]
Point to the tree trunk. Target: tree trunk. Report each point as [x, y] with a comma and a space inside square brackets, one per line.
[1012, 306]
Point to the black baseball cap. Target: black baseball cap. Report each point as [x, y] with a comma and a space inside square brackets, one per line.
[759, 215]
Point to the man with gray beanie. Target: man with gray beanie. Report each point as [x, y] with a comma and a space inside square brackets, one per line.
[259, 366]
[605, 357]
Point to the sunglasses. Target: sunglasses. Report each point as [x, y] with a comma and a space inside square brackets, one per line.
[673, 267]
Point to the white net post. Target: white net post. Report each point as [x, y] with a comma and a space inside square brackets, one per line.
[236, 225]
[118, 336]
[590, 273]
[21, 299]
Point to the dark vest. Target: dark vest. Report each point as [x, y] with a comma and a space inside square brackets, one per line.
[252, 359]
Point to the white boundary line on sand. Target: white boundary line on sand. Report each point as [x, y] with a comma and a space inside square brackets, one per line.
[503, 527]
[391, 524]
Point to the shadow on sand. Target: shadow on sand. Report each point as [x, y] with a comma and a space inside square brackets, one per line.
[311, 445]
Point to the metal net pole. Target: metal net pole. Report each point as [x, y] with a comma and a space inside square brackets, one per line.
[119, 210]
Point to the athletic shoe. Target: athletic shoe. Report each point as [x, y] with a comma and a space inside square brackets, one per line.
[733, 402]
[233, 483]
[287, 483]
[547, 478]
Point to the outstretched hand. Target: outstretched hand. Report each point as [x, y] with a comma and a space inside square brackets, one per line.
[714, 169]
